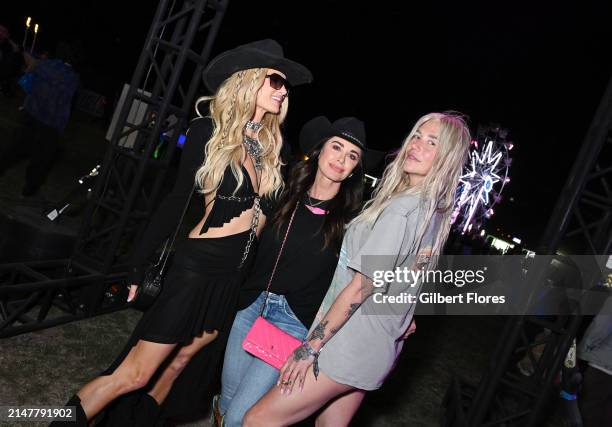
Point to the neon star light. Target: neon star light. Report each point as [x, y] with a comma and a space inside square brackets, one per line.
[483, 180]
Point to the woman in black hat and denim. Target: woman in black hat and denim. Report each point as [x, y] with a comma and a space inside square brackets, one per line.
[233, 158]
[360, 328]
[322, 195]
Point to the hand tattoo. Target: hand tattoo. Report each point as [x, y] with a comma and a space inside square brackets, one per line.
[319, 331]
[300, 353]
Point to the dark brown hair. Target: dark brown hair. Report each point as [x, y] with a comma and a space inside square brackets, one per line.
[342, 208]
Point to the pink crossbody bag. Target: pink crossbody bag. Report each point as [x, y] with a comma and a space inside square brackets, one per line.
[264, 340]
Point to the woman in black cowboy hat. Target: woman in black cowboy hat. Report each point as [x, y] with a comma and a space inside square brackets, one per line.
[297, 254]
[367, 312]
[233, 157]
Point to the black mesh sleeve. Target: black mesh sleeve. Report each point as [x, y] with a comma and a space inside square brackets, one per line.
[165, 219]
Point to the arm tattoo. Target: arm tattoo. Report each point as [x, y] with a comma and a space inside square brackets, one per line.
[352, 310]
[300, 353]
[319, 331]
[349, 313]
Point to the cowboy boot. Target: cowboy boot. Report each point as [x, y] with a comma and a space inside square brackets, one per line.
[216, 419]
[81, 417]
[147, 411]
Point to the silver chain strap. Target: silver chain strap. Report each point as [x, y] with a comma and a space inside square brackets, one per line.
[256, 203]
[253, 233]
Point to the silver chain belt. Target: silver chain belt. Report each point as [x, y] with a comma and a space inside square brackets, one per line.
[236, 198]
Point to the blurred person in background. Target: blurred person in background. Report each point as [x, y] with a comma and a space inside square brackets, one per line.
[10, 62]
[46, 110]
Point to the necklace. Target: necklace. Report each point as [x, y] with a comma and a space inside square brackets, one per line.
[254, 126]
[311, 203]
[313, 206]
[253, 146]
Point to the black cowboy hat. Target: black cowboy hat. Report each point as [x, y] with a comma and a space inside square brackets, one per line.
[320, 129]
[259, 54]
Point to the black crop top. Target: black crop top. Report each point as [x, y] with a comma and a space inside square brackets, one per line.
[304, 271]
[228, 205]
[225, 206]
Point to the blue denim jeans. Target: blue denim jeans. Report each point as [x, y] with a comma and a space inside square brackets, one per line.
[245, 378]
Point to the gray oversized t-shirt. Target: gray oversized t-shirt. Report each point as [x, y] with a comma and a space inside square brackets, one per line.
[364, 350]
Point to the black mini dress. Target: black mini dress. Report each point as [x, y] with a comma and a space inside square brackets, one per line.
[201, 287]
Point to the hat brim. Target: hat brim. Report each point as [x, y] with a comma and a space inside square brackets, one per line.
[318, 130]
[232, 61]
[314, 133]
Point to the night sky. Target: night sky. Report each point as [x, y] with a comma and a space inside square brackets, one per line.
[538, 68]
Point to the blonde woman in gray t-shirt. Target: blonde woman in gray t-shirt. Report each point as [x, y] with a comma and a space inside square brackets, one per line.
[355, 339]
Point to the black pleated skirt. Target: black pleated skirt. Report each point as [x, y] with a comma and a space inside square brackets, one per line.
[199, 293]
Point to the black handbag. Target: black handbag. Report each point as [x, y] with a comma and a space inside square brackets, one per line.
[151, 286]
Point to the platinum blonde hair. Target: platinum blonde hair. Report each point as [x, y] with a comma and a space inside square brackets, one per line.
[437, 190]
[230, 108]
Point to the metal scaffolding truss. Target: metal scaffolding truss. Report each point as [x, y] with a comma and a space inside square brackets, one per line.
[42, 294]
[157, 104]
[582, 217]
[581, 223]
[131, 178]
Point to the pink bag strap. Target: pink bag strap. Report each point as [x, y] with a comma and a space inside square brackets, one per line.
[263, 306]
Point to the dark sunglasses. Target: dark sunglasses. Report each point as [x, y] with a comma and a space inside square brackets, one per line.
[277, 81]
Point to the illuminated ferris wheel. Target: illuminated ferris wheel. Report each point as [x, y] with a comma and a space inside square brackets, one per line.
[483, 179]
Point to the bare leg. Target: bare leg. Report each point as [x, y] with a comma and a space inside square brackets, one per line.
[162, 386]
[276, 409]
[133, 373]
[341, 410]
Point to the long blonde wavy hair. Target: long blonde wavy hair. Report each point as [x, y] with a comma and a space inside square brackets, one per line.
[230, 108]
[437, 190]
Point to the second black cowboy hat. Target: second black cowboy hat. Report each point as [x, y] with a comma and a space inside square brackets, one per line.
[259, 54]
[320, 129]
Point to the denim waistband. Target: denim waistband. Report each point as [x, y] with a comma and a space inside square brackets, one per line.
[275, 302]
[272, 298]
